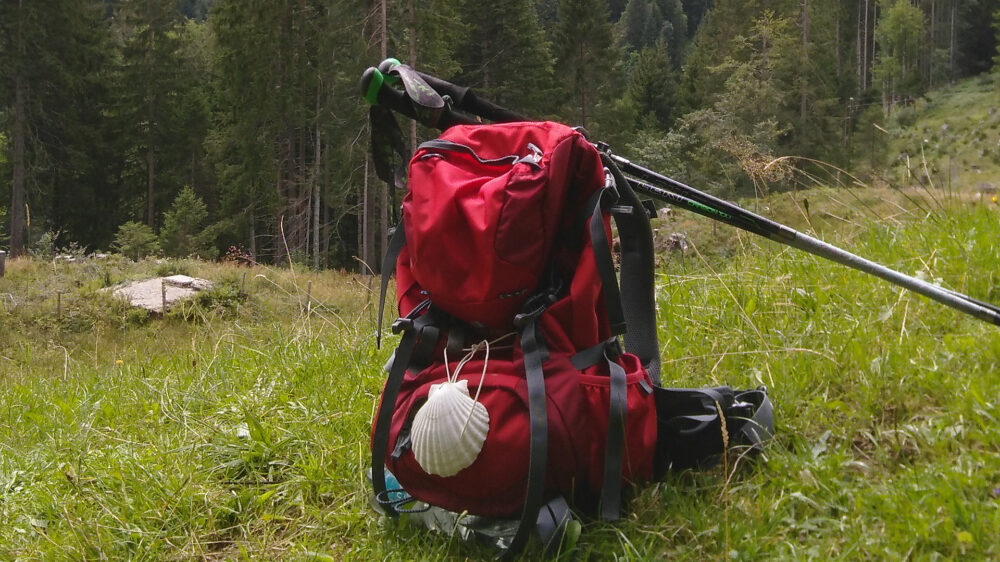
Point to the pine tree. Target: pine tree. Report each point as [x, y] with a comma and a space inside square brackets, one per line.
[161, 118]
[183, 233]
[899, 32]
[585, 53]
[507, 57]
[53, 91]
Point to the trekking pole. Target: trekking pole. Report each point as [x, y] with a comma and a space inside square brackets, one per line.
[415, 101]
[740, 218]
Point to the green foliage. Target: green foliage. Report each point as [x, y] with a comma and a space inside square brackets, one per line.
[136, 240]
[995, 24]
[508, 56]
[183, 233]
[44, 247]
[584, 54]
[649, 23]
[255, 105]
[900, 33]
[737, 135]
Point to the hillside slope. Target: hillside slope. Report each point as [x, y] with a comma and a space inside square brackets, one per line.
[955, 130]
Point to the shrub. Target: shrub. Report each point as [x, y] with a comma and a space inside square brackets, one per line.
[183, 234]
[135, 240]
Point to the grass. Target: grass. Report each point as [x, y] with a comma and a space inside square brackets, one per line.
[237, 427]
[951, 135]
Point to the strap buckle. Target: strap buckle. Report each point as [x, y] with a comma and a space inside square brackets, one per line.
[613, 349]
[405, 324]
[533, 309]
[610, 189]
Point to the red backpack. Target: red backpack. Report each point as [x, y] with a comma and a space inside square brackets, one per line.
[510, 391]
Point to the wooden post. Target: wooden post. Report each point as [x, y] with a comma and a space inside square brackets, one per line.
[243, 284]
[163, 295]
[59, 305]
[3, 260]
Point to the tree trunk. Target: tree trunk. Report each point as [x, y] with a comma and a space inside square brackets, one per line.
[151, 123]
[859, 50]
[951, 44]
[933, 36]
[413, 64]
[316, 200]
[864, 54]
[150, 174]
[18, 211]
[804, 101]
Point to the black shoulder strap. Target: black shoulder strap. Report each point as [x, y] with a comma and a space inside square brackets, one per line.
[397, 240]
[413, 327]
[638, 291]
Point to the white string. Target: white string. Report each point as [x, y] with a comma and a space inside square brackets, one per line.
[453, 378]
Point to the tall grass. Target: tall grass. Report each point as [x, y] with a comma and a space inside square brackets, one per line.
[237, 428]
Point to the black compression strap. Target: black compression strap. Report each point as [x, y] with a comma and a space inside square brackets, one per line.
[611, 490]
[605, 264]
[396, 243]
[638, 289]
[553, 518]
[380, 440]
[538, 452]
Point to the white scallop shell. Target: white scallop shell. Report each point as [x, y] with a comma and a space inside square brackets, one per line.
[449, 429]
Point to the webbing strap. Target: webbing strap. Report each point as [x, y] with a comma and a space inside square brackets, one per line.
[396, 242]
[538, 451]
[380, 440]
[553, 518]
[638, 289]
[605, 265]
[611, 490]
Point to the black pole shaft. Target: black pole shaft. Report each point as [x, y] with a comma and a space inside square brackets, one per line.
[735, 216]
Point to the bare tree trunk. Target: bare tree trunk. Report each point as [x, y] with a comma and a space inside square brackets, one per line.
[413, 64]
[150, 175]
[933, 37]
[253, 234]
[151, 123]
[18, 211]
[859, 50]
[804, 101]
[864, 55]
[316, 190]
[951, 44]
[837, 40]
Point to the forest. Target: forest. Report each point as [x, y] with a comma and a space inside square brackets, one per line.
[236, 127]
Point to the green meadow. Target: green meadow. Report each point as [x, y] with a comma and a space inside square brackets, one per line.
[236, 425]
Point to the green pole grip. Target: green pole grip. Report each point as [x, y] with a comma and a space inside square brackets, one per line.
[374, 85]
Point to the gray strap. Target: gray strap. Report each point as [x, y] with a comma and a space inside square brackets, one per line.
[611, 489]
[538, 452]
[605, 265]
[638, 290]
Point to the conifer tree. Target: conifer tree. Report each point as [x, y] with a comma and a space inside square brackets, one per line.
[585, 54]
[507, 56]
